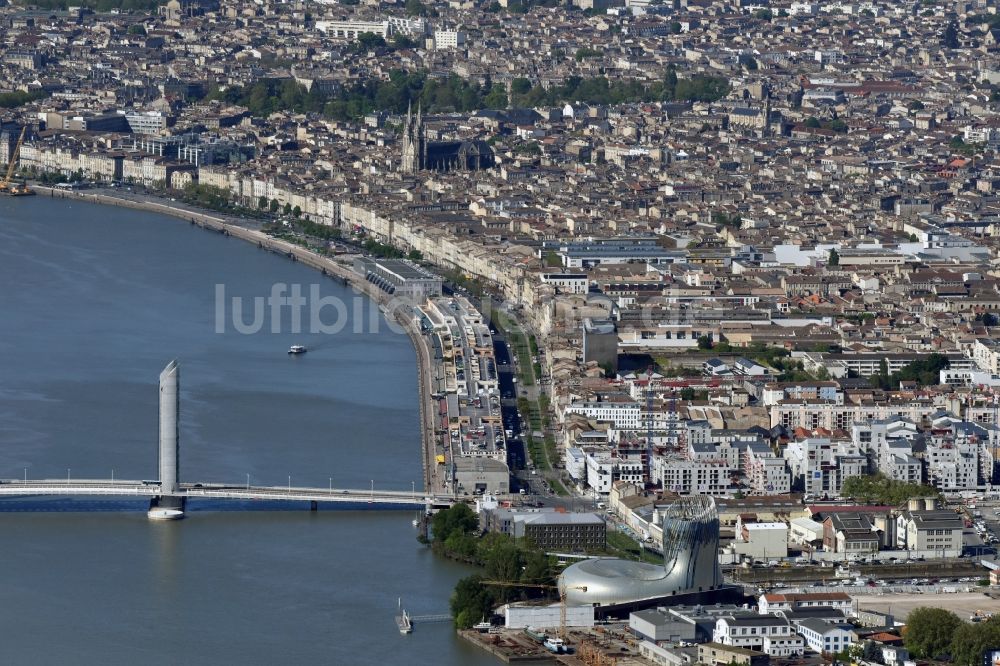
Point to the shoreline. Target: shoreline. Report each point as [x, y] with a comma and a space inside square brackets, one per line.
[344, 274]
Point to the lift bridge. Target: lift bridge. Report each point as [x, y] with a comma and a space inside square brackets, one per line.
[168, 495]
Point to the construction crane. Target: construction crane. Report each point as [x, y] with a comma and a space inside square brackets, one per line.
[5, 185]
[541, 586]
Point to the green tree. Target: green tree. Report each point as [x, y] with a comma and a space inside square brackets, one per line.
[834, 258]
[537, 567]
[274, 205]
[415, 8]
[471, 601]
[763, 14]
[287, 210]
[520, 86]
[929, 631]
[950, 39]
[670, 82]
[137, 29]
[813, 122]
[262, 203]
[369, 41]
[19, 98]
[504, 562]
[296, 211]
[496, 98]
[457, 519]
[401, 41]
[705, 342]
[687, 393]
[880, 489]
[972, 640]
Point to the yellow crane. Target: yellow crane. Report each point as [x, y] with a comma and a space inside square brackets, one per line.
[541, 586]
[5, 186]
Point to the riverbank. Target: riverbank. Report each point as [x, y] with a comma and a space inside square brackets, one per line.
[339, 270]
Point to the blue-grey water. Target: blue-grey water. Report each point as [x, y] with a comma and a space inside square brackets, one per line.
[94, 301]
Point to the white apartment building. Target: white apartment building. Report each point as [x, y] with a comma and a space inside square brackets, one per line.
[623, 415]
[820, 466]
[759, 633]
[952, 463]
[772, 603]
[986, 354]
[353, 29]
[567, 283]
[448, 39]
[767, 473]
[602, 470]
[824, 637]
[691, 477]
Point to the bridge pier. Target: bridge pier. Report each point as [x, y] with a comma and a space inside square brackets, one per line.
[314, 505]
[166, 508]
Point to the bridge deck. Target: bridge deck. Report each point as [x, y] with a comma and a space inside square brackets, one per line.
[132, 488]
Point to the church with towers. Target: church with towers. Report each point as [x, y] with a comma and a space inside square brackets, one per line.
[419, 154]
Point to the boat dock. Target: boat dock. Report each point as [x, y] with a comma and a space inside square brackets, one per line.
[405, 621]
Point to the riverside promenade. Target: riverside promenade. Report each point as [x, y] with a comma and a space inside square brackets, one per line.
[434, 481]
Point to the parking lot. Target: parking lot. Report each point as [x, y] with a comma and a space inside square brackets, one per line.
[900, 605]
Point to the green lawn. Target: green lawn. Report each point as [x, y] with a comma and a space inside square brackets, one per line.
[622, 545]
[558, 486]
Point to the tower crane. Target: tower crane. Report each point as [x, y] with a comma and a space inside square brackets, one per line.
[5, 184]
[542, 586]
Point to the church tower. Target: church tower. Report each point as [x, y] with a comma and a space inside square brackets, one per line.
[765, 131]
[414, 148]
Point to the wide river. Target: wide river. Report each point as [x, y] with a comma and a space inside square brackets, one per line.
[94, 301]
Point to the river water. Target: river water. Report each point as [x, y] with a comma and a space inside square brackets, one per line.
[94, 301]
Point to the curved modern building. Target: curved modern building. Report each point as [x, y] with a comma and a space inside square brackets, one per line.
[690, 564]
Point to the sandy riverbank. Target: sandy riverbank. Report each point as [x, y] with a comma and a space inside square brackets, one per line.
[339, 269]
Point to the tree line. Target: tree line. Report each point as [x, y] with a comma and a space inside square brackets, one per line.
[18, 97]
[456, 534]
[599, 90]
[932, 633]
[455, 94]
[879, 489]
[96, 5]
[925, 371]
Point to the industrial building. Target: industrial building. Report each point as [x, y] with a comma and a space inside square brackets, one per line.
[550, 529]
[400, 278]
[478, 476]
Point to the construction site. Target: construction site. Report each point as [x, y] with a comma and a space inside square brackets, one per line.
[607, 645]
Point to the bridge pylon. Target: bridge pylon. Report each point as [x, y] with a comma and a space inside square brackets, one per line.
[169, 506]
